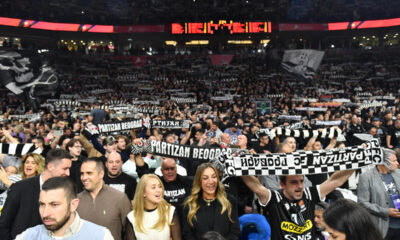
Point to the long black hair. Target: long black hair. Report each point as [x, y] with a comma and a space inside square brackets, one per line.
[351, 219]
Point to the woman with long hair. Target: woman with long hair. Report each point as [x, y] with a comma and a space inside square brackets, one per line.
[152, 217]
[208, 208]
[346, 219]
[32, 165]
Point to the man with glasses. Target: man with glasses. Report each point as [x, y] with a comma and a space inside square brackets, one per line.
[74, 147]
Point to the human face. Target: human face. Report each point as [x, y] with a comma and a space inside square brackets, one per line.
[198, 136]
[170, 139]
[226, 138]
[37, 143]
[55, 210]
[294, 187]
[76, 149]
[317, 145]
[169, 170]
[110, 147]
[121, 144]
[91, 179]
[242, 140]
[394, 163]
[10, 170]
[114, 164]
[153, 193]
[30, 167]
[292, 143]
[335, 235]
[60, 168]
[318, 219]
[209, 183]
[264, 140]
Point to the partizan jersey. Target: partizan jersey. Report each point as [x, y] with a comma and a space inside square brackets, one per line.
[292, 220]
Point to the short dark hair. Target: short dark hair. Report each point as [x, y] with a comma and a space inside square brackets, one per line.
[70, 189]
[99, 163]
[321, 206]
[283, 178]
[56, 155]
[39, 138]
[72, 143]
[351, 219]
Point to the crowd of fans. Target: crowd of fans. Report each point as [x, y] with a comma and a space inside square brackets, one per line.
[189, 199]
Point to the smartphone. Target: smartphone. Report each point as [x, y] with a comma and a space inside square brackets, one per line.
[58, 133]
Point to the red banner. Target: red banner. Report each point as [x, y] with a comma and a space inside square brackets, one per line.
[218, 60]
[139, 61]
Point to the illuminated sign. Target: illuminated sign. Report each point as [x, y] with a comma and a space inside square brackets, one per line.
[211, 27]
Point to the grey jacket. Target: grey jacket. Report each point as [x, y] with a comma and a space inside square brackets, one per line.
[372, 194]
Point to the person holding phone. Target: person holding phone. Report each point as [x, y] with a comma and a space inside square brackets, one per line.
[378, 190]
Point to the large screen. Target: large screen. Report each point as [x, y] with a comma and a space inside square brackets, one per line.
[212, 27]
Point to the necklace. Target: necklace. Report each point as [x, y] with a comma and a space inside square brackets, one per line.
[208, 201]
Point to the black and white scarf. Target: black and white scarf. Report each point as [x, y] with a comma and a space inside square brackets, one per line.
[326, 123]
[364, 94]
[290, 117]
[173, 124]
[296, 133]
[372, 104]
[313, 109]
[180, 100]
[179, 151]
[274, 96]
[149, 102]
[17, 149]
[148, 110]
[300, 162]
[119, 126]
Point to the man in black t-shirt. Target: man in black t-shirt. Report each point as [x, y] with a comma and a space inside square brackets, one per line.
[290, 210]
[264, 145]
[393, 137]
[116, 179]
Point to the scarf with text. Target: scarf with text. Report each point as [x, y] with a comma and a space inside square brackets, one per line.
[300, 162]
[296, 133]
[180, 151]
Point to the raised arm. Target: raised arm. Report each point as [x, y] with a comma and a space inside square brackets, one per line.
[336, 180]
[254, 184]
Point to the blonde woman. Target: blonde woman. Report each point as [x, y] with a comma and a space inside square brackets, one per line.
[208, 208]
[152, 217]
[32, 165]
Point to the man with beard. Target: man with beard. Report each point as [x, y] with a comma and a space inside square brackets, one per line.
[116, 179]
[122, 142]
[290, 210]
[20, 210]
[58, 202]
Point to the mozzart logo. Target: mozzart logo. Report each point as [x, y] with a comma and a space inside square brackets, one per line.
[293, 228]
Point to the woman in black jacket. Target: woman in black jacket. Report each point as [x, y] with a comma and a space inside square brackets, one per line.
[208, 208]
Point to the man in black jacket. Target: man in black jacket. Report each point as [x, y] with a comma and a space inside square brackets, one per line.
[176, 187]
[21, 209]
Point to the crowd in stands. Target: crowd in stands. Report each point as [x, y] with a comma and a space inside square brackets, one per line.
[189, 198]
[125, 12]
